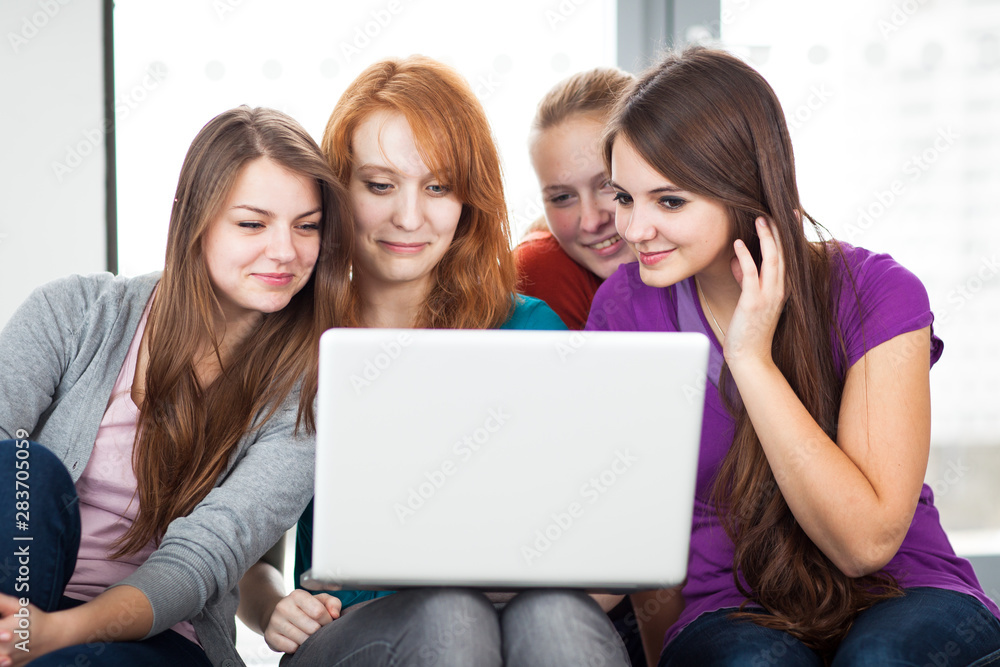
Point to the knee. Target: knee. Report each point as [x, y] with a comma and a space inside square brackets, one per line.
[456, 607]
[454, 626]
[538, 607]
[869, 650]
[557, 627]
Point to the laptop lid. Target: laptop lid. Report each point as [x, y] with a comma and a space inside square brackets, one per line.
[506, 459]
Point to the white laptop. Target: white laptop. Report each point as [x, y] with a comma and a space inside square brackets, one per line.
[505, 459]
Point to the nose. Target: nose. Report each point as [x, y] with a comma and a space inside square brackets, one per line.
[593, 216]
[631, 226]
[280, 245]
[408, 215]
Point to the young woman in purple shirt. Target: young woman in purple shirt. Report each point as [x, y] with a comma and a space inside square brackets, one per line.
[814, 539]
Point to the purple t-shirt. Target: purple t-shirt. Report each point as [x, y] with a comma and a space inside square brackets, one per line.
[892, 301]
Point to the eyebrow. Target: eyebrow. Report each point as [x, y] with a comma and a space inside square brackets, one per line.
[268, 214]
[383, 169]
[376, 168]
[254, 209]
[654, 191]
[598, 179]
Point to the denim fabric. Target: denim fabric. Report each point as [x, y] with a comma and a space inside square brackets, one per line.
[53, 524]
[713, 640]
[424, 627]
[40, 515]
[927, 627]
[460, 628]
[167, 649]
[544, 628]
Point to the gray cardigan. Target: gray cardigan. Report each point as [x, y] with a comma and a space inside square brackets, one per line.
[60, 355]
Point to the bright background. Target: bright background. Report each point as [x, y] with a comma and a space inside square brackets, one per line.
[300, 60]
[893, 104]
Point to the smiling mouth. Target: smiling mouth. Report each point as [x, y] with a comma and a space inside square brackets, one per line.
[275, 278]
[606, 243]
[649, 258]
[403, 248]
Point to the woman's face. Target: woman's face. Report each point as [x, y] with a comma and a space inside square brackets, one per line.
[675, 234]
[579, 203]
[261, 248]
[404, 216]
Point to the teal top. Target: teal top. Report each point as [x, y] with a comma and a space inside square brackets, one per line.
[529, 313]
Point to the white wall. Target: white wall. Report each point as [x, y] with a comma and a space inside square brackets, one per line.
[52, 165]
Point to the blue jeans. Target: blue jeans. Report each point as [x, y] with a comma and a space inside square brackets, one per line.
[40, 538]
[461, 628]
[927, 627]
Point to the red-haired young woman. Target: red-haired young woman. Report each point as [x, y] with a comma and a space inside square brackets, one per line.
[412, 144]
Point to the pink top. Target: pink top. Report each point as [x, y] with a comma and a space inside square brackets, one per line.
[107, 491]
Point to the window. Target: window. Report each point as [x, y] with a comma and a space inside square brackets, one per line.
[892, 108]
[179, 64]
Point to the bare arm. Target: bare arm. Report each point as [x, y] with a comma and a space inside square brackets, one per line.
[285, 621]
[261, 588]
[122, 613]
[607, 602]
[854, 498]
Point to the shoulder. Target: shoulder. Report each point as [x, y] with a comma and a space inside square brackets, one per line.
[540, 257]
[872, 270]
[72, 298]
[535, 244]
[877, 299]
[532, 313]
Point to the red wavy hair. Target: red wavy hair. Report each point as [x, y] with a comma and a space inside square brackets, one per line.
[474, 282]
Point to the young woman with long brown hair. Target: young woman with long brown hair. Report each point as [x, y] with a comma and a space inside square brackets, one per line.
[814, 539]
[175, 410]
[412, 144]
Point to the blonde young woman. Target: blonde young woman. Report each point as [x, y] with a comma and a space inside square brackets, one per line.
[566, 256]
[157, 429]
[413, 146]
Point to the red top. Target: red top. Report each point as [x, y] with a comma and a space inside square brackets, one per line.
[546, 272]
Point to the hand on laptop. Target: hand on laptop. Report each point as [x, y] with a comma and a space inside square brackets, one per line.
[298, 616]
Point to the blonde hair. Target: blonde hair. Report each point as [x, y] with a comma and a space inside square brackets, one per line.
[593, 92]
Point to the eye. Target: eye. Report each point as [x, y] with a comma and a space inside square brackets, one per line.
[250, 224]
[560, 200]
[672, 203]
[623, 199]
[378, 188]
[439, 189]
[309, 226]
[606, 187]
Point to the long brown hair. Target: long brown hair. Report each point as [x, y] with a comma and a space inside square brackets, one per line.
[713, 126]
[474, 281]
[186, 434]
